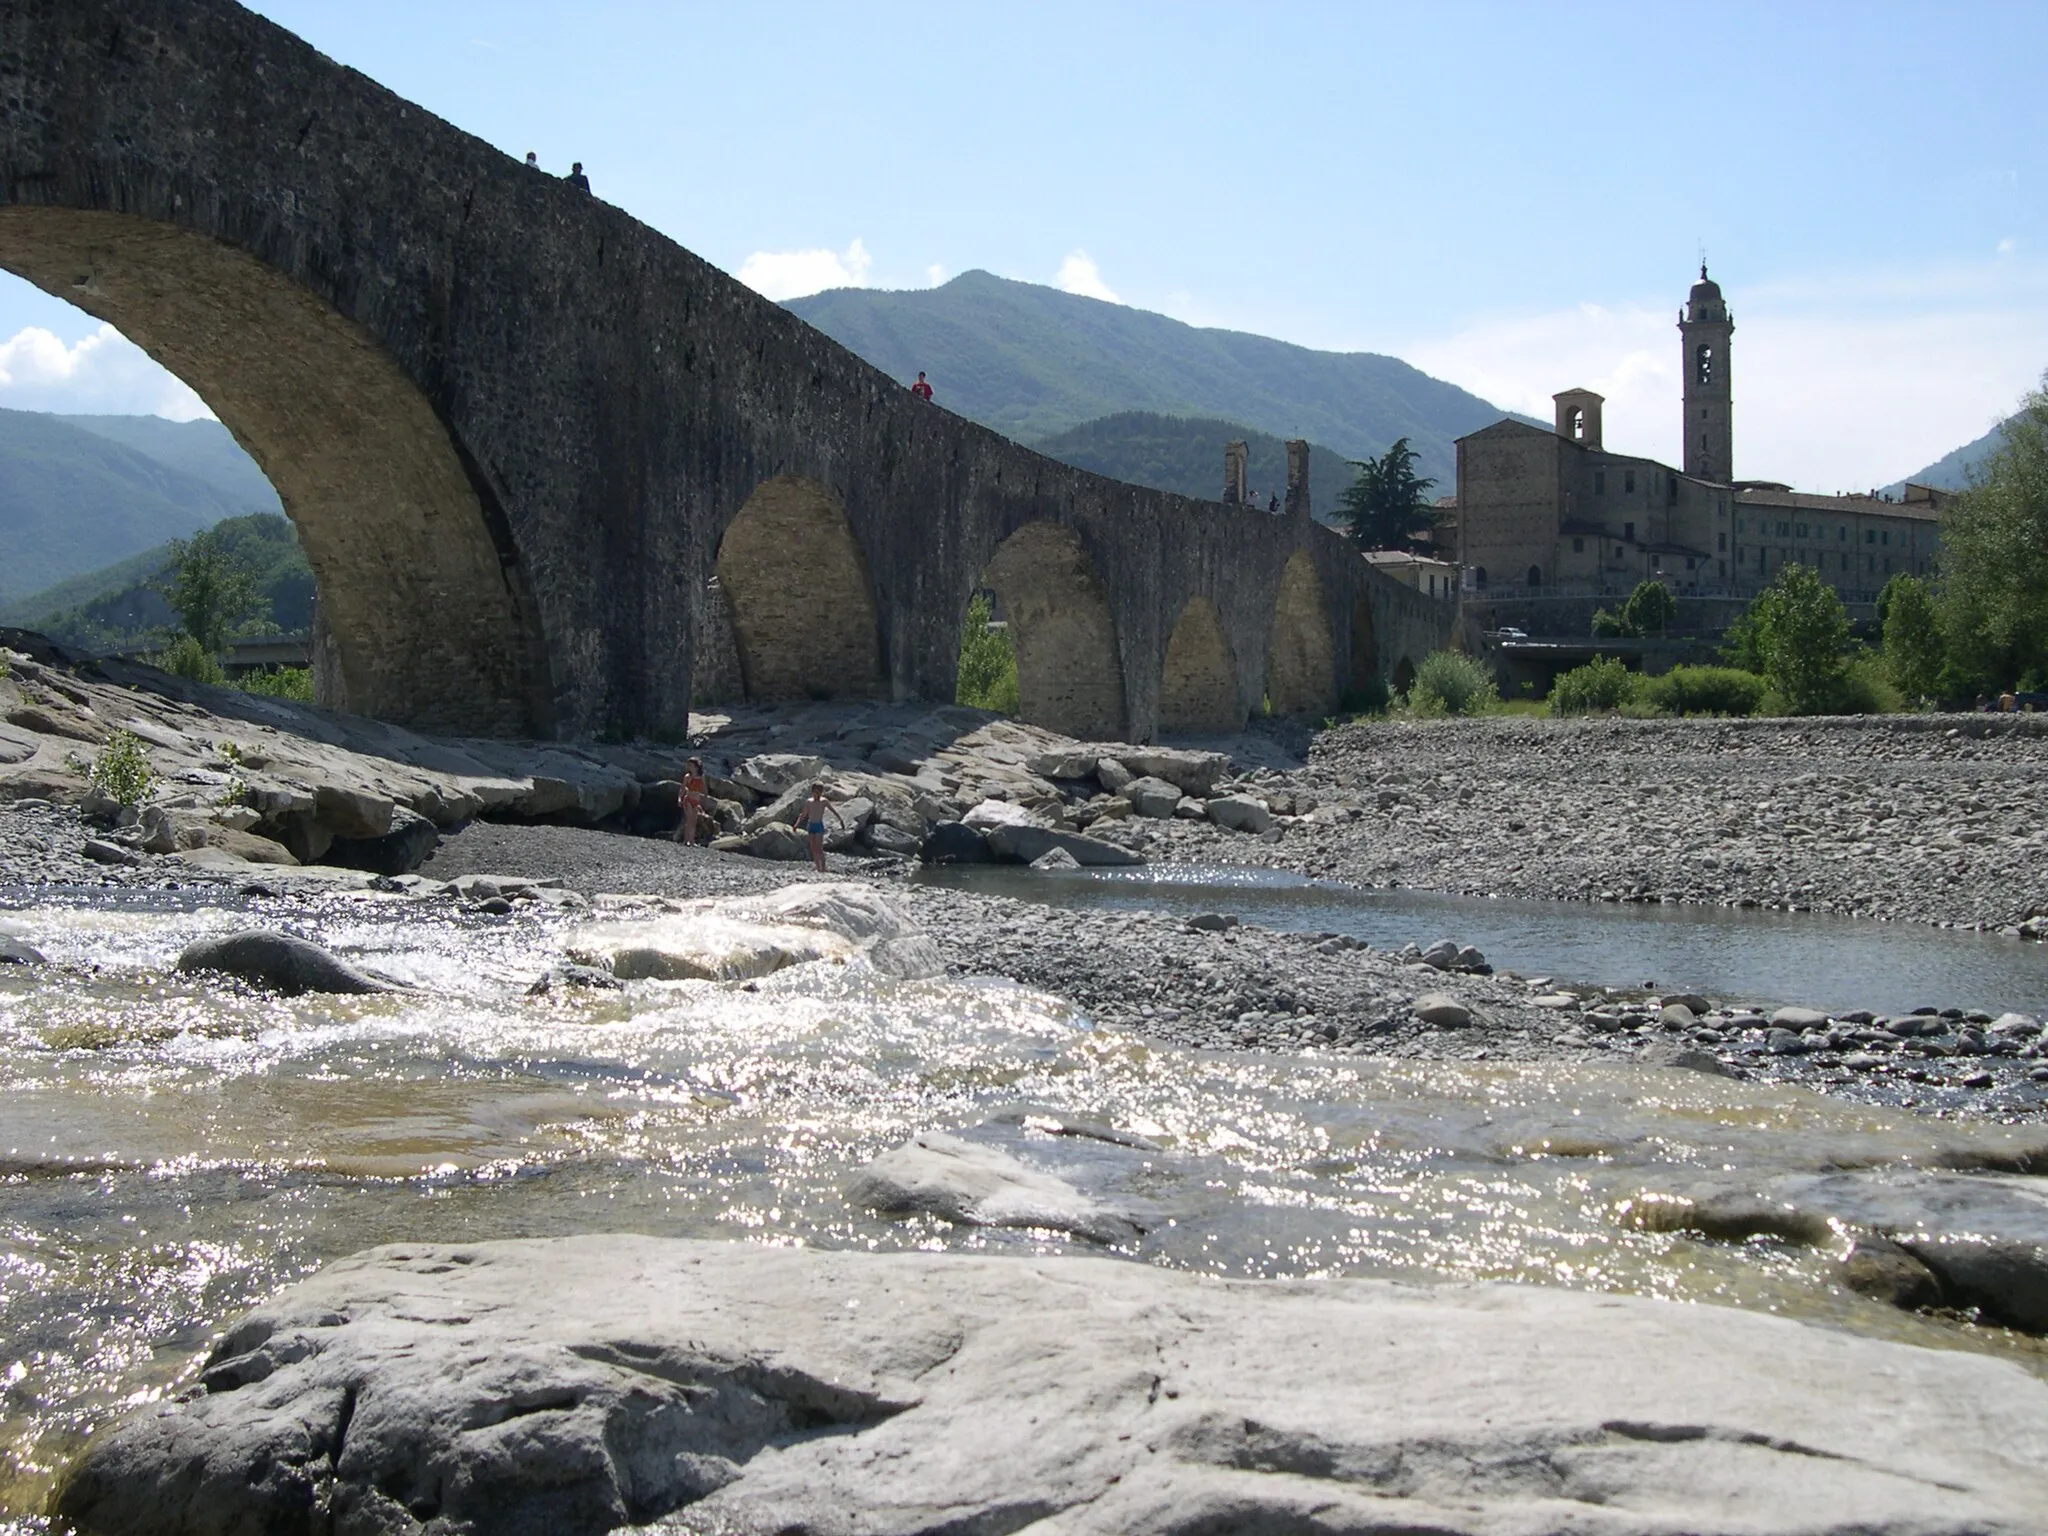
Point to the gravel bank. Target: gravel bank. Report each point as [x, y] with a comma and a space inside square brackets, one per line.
[1925, 819]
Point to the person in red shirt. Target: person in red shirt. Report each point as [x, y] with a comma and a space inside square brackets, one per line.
[922, 390]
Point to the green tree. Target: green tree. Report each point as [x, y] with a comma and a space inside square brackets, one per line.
[1993, 595]
[1801, 635]
[1914, 655]
[988, 661]
[1388, 502]
[211, 589]
[1649, 610]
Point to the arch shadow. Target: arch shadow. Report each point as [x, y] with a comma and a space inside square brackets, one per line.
[1069, 677]
[1301, 666]
[1404, 675]
[1198, 682]
[426, 615]
[796, 585]
[1365, 643]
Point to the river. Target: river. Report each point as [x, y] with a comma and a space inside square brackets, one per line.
[175, 1148]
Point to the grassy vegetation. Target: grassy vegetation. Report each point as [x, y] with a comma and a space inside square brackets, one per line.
[121, 768]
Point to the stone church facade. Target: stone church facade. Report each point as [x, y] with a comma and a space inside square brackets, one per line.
[1556, 512]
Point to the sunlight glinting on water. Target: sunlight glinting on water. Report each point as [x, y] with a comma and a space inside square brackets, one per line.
[173, 1148]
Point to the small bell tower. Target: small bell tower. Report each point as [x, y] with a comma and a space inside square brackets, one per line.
[1705, 326]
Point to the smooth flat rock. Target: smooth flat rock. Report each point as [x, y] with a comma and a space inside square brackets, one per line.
[277, 961]
[963, 1182]
[1152, 797]
[1798, 1018]
[576, 1385]
[773, 772]
[1442, 1010]
[742, 938]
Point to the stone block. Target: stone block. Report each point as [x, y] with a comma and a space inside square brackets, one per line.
[1239, 813]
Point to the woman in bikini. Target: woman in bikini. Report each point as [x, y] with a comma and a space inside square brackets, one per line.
[693, 799]
[811, 817]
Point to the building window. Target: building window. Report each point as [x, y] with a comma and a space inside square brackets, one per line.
[1742, 557]
[1741, 525]
[1842, 532]
[1703, 366]
[1599, 482]
[1802, 530]
[1724, 568]
[1721, 507]
[1721, 542]
[1578, 546]
[1870, 535]
[1870, 562]
[1688, 562]
[1628, 480]
[1885, 539]
[1784, 529]
[1479, 577]
[1628, 531]
[1535, 575]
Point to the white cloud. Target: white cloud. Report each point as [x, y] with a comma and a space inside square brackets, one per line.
[1079, 274]
[1843, 381]
[2006, 246]
[792, 274]
[935, 275]
[102, 373]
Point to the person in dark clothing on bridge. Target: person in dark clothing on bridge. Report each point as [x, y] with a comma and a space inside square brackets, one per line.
[576, 178]
[922, 390]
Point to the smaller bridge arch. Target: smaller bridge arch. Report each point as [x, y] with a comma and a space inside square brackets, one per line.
[1198, 682]
[1301, 666]
[795, 582]
[1069, 674]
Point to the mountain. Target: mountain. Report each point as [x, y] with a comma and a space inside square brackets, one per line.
[205, 450]
[73, 499]
[1033, 362]
[119, 606]
[1175, 453]
[1951, 472]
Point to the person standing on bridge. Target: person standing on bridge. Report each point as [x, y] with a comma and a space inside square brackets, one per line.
[576, 178]
[922, 390]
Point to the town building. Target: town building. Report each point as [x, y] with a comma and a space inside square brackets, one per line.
[1555, 512]
[1426, 574]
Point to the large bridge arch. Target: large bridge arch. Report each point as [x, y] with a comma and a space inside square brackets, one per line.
[1198, 682]
[1069, 672]
[796, 583]
[1301, 663]
[426, 615]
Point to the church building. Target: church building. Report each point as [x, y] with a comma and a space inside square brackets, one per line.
[1557, 512]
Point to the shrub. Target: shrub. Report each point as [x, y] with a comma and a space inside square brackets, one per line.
[282, 683]
[988, 662]
[186, 657]
[1601, 684]
[1452, 683]
[120, 769]
[1704, 691]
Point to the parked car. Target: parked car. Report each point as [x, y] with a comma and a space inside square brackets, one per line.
[1510, 634]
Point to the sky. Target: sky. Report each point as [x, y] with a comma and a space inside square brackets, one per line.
[1511, 197]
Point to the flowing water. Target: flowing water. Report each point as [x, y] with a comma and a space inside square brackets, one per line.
[1724, 952]
[173, 1148]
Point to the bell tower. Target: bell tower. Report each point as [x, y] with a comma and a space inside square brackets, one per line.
[1705, 326]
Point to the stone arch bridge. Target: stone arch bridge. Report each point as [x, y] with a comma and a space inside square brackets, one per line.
[553, 472]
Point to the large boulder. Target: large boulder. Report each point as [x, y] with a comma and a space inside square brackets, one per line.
[409, 844]
[278, 962]
[773, 772]
[954, 842]
[1151, 797]
[572, 1386]
[1025, 844]
[1196, 773]
[1239, 813]
[739, 938]
[972, 1185]
[167, 829]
